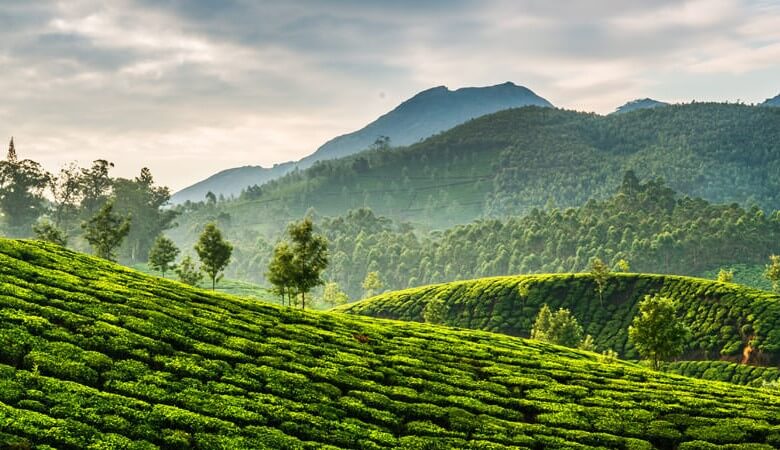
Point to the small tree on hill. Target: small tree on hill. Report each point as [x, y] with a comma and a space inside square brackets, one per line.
[435, 311]
[105, 231]
[623, 266]
[600, 272]
[656, 332]
[280, 271]
[46, 230]
[561, 328]
[332, 295]
[372, 284]
[162, 254]
[772, 272]
[310, 257]
[188, 273]
[214, 253]
[726, 276]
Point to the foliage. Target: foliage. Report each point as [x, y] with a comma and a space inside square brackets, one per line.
[332, 295]
[435, 311]
[280, 272]
[724, 319]
[214, 253]
[623, 266]
[372, 284]
[656, 332]
[126, 360]
[163, 254]
[560, 328]
[772, 272]
[46, 230]
[188, 272]
[106, 230]
[600, 272]
[309, 257]
[725, 276]
[21, 186]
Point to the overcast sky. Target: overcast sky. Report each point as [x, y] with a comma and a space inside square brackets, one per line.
[188, 88]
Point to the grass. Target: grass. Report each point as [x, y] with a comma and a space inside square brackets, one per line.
[94, 355]
[724, 318]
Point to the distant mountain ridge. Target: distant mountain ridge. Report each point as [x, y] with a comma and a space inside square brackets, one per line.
[425, 114]
[643, 103]
[774, 101]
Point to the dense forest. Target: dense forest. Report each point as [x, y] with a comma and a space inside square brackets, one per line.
[646, 224]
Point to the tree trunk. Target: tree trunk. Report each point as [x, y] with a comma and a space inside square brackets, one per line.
[303, 300]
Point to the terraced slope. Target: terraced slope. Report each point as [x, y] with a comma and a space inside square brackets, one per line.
[727, 320]
[726, 371]
[97, 356]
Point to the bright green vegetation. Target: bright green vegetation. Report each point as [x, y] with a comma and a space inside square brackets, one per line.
[752, 275]
[726, 371]
[93, 355]
[726, 320]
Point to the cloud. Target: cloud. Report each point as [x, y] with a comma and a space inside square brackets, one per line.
[191, 87]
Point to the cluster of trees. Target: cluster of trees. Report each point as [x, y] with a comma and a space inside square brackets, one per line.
[116, 217]
[656, 332]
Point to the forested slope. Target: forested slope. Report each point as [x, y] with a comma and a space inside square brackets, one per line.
[93, 355]
[727, 321]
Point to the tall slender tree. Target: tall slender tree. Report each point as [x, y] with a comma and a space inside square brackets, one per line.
[310, 257]
[281, 270]
[21, 187]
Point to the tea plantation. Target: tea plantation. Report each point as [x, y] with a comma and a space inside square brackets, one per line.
[97, 356]
[728, 321]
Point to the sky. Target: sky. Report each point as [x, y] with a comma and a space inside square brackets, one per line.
[188, 88]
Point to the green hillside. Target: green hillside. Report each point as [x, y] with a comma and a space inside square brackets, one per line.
[93, 355]
[726, 320]
[512, 161]
[726, 371]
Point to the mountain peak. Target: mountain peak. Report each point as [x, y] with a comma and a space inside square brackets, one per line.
[774, 101]
[640, 103]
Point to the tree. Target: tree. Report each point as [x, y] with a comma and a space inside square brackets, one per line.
[45, 230]
[600, 273]
[772, 272]
[371, 284]
[726, 276]
[332, 295]
[280, 271]
[214, 253]
[587, 344]
[656, 332]
[187, 272]
[95, 186]
[435, 311]
[310, 257]
[560, 328]
[623, 266]
[163, 254]
[66, 192]
[21, 187]
[106, 230]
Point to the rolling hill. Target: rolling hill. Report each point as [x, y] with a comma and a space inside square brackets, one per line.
[94, 355]
[727, 321]
[425, 114]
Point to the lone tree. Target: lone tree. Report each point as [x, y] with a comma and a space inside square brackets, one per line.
[310, 257]
[162, 254]
[726, 276]
[371, 284]
[560, 327]
[435, 311]
[656, 332]
[214, 253]
[600, 272]
[772, 272]
[188, 273]
[46, 230]
[106, 230]
[280, 271]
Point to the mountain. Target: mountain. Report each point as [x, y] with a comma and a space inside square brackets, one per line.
[775, 101]
[95, 355]
[496, 304]
[638, 104]
[427, 113]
